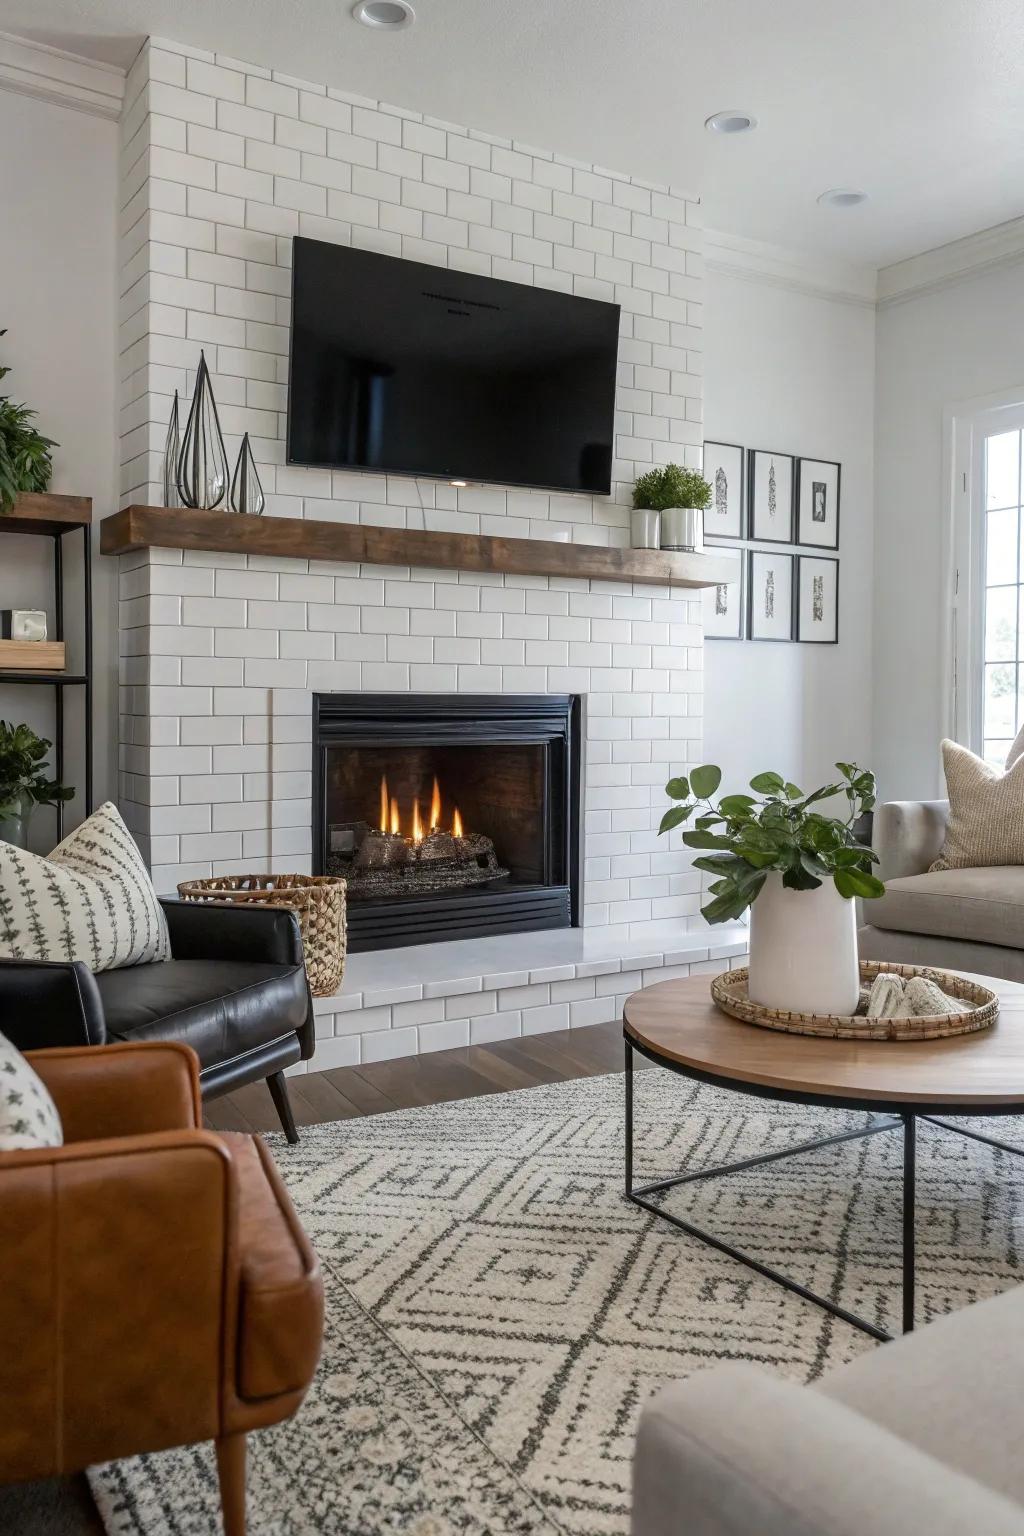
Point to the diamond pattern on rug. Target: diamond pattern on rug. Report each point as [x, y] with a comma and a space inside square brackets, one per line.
[498, 1313]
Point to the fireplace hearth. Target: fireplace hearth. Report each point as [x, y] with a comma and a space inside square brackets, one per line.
[448, 815]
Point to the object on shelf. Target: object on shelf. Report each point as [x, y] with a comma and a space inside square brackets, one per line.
[885, 996]
[31, 655]
[23, 780]
[682, 528]
[645, 528]
[203, 462]
[246, 491]
[172, 453]
[22, 624]
[25, 462]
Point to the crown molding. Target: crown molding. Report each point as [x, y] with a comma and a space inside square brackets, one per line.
[931, 271]
[50, 74]
[820, 277]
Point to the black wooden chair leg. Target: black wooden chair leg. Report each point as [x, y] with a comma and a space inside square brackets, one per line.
[279, 1093]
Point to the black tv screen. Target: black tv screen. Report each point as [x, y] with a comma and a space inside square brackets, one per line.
[413, 369]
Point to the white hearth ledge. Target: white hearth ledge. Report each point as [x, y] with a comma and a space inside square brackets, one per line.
[432, 997]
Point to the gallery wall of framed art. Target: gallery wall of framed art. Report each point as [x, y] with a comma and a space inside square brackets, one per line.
[790, 503]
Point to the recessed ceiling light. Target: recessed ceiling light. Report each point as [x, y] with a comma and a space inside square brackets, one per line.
[731, 121]
[385, 15]
[842, 197]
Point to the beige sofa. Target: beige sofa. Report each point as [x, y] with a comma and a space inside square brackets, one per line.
[921, 1435]
[963, 919]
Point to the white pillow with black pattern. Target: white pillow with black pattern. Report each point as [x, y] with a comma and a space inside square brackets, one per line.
[28, 1115]
[91, 899]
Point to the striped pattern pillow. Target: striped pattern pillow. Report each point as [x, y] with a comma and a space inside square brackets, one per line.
[91, 899]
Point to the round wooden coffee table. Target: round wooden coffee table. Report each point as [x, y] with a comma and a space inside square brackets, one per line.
[676, 1025]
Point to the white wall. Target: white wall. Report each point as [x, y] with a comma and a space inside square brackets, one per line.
[958, 343]
[794, 372]
[58, 266]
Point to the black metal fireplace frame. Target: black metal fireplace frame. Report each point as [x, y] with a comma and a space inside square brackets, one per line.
[424, 719]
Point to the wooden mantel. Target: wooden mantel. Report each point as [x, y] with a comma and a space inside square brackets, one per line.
[139, 527]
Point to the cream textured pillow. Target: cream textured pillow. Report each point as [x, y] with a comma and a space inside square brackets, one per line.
[986, 812]
[28, 1115]
[91, 899]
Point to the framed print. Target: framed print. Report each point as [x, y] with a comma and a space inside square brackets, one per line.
[769, 595]
[817, 502]
[771, 478]
[817, 609]
[724, 472]
[724, 607]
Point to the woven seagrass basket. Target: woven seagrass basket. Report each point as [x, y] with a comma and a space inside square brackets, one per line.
[980, 1008]
[317, 900]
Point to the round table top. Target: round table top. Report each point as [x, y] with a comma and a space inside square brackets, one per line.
[677, 1023]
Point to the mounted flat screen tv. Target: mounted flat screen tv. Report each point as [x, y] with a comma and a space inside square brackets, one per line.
[415, 370]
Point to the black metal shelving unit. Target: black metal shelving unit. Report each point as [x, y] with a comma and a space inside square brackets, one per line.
[54, 517]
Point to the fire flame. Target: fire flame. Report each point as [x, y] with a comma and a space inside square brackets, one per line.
[391, 818]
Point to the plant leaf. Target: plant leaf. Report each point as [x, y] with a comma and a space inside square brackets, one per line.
[705, 780]
[678, 789]
[768, 783]
[673, 817]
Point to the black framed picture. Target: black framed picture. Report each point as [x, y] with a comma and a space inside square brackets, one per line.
[817, 502]
[817, 605]
[770, 592]
[725, 607]
[771, 479]
[724, 466]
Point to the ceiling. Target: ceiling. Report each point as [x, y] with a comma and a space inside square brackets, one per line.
[918, 102]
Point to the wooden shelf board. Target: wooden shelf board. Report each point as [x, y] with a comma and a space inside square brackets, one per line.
[46, 512]
[22, 675]
[139, 527]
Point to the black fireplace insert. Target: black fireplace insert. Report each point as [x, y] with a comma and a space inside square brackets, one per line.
[449, 815]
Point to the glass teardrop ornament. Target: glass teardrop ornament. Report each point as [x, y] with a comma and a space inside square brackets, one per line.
[172, 449]
[246, 491]
[203, 462]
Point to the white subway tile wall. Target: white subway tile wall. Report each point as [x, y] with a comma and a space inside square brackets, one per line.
[222, 163]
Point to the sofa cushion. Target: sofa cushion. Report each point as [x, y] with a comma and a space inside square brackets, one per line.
[28, 1115]
[986, 811]
[91, 899]
[983, 905]
[221, 1008]
[281, 1311]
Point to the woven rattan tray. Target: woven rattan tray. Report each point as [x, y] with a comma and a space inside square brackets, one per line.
[981, 1008]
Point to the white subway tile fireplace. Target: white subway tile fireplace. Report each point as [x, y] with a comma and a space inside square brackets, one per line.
[222, 654]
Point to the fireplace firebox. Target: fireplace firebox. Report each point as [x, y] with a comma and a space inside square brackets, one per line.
[450, 816]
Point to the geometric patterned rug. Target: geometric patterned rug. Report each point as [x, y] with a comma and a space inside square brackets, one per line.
[497, 1313]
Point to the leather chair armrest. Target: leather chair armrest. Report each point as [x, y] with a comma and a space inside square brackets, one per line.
[202, 930]
[908, 836]
[119, 1280]
[50, 1002]
[122, 1090]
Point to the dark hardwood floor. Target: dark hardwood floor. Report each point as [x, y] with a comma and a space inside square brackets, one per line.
[64, 1507]
[435, 1078]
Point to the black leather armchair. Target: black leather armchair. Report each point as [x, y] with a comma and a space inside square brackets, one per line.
[235, 991]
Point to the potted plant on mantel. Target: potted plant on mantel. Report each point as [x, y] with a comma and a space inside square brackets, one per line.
[23, 781]
[679, 497]
[797, 869]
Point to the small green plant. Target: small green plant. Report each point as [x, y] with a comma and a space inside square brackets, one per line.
[743, 837]
[672, 485]
[23, 771]
[25, 463]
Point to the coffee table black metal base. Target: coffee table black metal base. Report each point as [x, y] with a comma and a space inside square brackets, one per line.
[902, 1118]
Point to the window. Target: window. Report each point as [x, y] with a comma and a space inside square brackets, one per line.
[1002, 682]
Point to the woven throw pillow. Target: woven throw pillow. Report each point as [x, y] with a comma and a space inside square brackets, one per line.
[28, 1115]
[91, 899]
[986, 812]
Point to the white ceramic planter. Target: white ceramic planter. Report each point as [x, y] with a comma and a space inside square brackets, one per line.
[682, 528]
[803, 949]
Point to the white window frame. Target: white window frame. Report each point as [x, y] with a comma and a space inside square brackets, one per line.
[965, 427]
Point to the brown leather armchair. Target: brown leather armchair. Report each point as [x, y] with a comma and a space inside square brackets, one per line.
[155, 1277]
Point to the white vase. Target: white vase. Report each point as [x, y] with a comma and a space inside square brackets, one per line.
[803, 949]
[682, 528]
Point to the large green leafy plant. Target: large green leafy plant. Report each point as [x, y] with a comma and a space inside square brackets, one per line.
[743, 838]
[25, 463]
[671, 486]
[23, 771]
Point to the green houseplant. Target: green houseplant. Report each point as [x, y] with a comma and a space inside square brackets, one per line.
[25, 463]
[675, 498]
[23, 780]
[777, 852]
